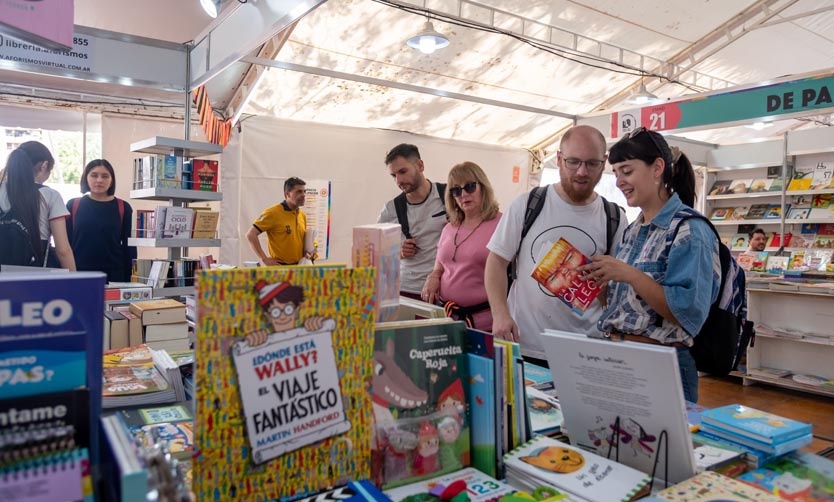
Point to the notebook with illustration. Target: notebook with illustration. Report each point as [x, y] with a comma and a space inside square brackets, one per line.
[546, 461]
[710, 486]
[284, 359]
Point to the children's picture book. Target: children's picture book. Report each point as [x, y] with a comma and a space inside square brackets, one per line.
[755, 424]
[757, 212]
[557, 272]
[776, 240]
[544, 411]
[205, 174]
[131, 370]
[740, 186]
[480, 487]
[798, 213]
[720, 187]
[799, 476]
[802, 178]
[546, 461]
[817, 259]
[777, 264]
[632, 410]
[481, 400]
[797, 260]
[760, 185]
[538, 377]
[720, 213]
[774, 211]
[712, 486]
[284, 359]
[822, 177]
[776, 185]
[708, 457]
[739, 242]
[754, 261]
[739, 213]
[419, 390]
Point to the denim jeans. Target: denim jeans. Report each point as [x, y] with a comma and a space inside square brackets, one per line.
[689, 374]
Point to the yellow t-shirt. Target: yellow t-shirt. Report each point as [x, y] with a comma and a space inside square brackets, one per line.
[285, 229]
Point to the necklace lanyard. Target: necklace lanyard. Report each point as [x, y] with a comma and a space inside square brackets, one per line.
[458, 244]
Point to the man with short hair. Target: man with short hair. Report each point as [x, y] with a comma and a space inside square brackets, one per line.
[758, 240]
[425, 212]
[571, 210]
[285, 225]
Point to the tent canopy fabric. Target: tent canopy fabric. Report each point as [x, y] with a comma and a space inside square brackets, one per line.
[552, 59]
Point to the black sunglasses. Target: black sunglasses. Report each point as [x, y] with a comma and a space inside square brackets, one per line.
[641, 130]
[469, 187]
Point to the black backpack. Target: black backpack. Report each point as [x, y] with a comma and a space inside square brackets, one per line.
[724, 337]
[401, 206]
[535, 203]
[17, 246]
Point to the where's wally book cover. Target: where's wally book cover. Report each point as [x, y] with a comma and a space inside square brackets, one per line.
[419, 387]
[557, 272]
[284, 358]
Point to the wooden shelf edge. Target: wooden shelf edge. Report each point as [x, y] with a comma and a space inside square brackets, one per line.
[790, 384]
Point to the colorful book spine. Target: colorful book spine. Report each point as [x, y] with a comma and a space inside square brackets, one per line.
[482, 406]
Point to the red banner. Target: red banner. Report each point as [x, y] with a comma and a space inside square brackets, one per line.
[218, 131]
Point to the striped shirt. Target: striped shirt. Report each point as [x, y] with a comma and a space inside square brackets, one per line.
[689, 271]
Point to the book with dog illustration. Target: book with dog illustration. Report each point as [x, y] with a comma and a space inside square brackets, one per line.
[558, 272]
[284, 358]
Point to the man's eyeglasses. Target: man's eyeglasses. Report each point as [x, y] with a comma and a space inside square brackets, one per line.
[574, 164]
[469, 187]
[640, 130]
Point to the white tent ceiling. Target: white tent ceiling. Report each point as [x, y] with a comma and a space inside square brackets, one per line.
[365, 41]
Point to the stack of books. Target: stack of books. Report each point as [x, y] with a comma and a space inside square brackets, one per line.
[164, 324]
[140, 376]
[769, 435]
[582, 474]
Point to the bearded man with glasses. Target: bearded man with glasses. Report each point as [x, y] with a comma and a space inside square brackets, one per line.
[572, 210]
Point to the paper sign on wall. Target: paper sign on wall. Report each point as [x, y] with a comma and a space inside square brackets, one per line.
[317, 209]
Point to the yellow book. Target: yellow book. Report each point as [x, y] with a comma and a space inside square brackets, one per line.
[284, 360]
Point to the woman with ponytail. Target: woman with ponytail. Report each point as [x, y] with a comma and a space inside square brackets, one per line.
[39, 208]
[667, 271]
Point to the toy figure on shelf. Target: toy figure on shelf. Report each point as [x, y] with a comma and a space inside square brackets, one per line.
[425, 458]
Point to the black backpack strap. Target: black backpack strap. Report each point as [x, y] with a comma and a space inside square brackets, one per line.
[401, 206]
[612, 223]
[535, 203]
[441, 189]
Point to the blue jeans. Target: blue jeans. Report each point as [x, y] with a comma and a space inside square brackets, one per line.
[689, 374]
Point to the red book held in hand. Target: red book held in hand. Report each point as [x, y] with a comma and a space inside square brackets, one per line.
[558, 273]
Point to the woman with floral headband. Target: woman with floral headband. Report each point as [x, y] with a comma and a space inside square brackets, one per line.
[667, 272]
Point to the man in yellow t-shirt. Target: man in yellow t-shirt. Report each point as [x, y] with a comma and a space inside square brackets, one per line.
[285, 225]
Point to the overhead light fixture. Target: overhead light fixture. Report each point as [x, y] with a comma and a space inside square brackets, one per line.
[428, 39]
[212, 7]
[758, 126]
[642, 96]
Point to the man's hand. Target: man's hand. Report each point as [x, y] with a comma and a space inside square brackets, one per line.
[271, 262]
[409, 248]
[257, 338]
[504, 327]
[314, 323]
